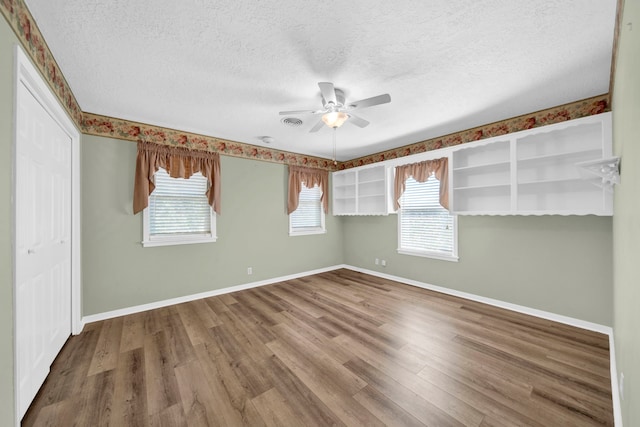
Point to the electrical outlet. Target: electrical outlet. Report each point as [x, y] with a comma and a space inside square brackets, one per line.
[377, 261]
[249, 270]
[621, 386]
[383, 262]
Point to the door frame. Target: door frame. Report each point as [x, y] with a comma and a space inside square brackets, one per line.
[27, 75]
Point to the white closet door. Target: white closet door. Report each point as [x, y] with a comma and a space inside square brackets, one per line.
[43, 243]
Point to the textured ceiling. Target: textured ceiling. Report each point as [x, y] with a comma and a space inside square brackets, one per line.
[226, 68]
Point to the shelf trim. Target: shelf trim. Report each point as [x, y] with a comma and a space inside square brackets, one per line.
[560, 155]
[565, 212]
[351, 213]
[484, 165]
[556, 180]
[371, 195]
[371, 181]
[581, 212]
[488, 213]
[479, 187]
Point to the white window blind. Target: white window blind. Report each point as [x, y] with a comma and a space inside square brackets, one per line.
[179, 211]
[308, 218]
[425, 227]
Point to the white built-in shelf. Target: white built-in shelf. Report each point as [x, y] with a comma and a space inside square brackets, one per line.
[487, 176]
[562, 169]
[498, 151]
[478, 168]
[561, 181]
[481, 173]
[360, 191]
[480, 187]
[371, 181]
[535, 172]
[567, 156]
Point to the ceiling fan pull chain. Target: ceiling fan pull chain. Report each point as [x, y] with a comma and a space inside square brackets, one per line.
[335, 129]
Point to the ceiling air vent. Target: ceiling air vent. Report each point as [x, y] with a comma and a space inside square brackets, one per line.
[291, 121]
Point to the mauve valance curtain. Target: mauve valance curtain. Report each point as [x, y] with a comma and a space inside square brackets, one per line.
[310, 177]
[179, 163]
[420, 172]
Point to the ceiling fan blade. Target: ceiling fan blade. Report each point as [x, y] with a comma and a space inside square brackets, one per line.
[317, 126]
[328, 92]
[370, 102]
[296, 112]
[358, 121]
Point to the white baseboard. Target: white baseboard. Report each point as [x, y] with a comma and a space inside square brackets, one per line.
[615, 386]
[607, 330]
[164, 303]
[583, 324]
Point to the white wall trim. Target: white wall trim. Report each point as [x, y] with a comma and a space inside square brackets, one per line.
[178, 300]
[615, 389]
[27, 75]
[607, 330]
[494, 302]
[583, 324]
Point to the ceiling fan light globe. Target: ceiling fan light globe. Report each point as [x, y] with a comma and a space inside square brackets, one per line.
[335, 119]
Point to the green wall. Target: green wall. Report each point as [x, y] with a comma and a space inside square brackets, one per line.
[552, 263]
[558, 264]
[252, 232]
[7, 41]
[626, 221]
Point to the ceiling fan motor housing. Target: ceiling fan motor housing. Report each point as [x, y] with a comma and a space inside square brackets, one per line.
[335, 111]
[339, 99]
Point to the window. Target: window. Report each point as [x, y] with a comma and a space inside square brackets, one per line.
[424, 227]
[308, 218]
[178, 212]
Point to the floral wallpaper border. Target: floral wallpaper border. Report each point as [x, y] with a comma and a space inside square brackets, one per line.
[98, 125]
[586, 107]
[20, 19]
[123, 129]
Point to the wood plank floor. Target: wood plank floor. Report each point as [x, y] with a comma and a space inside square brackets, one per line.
[338, 348]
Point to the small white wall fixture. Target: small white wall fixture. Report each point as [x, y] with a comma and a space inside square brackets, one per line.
[608, 170]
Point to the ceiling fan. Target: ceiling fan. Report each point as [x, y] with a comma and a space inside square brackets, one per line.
[335, 111]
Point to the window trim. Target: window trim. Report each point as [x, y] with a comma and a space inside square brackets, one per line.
[177, 239]
[310, 230]
[453, 257]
